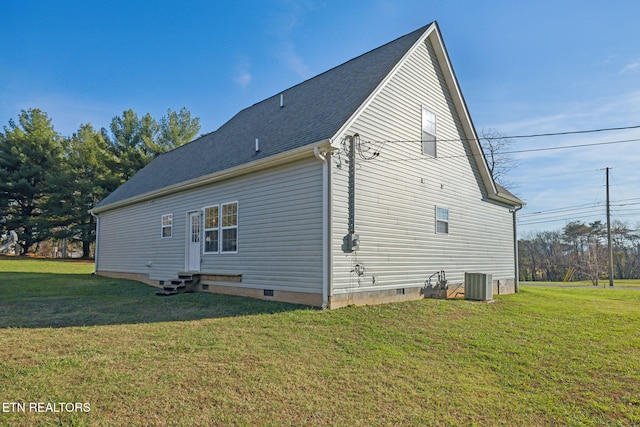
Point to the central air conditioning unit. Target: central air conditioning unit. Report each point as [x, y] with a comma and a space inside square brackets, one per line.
[478, 286]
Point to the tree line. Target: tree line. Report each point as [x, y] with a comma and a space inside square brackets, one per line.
[49, 182]
[579, 251]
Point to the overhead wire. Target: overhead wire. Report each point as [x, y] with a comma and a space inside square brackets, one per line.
[615, 203]
[574, 132]
[530, 150]
[561, 215]
[564, 209]
[533, 135]
[382, 143]
[378, 145]
[567, 220]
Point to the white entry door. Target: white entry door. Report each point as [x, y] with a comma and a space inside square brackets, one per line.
[193, 246]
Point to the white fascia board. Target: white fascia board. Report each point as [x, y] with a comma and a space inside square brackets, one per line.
[507, 199]
[246, 168]
[463, 113]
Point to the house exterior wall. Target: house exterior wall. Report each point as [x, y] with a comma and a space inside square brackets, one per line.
[279, 234]
[398, 191]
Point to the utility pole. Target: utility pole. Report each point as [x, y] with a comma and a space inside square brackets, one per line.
[609, 233]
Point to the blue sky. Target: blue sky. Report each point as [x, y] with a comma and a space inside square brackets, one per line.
[524, 68]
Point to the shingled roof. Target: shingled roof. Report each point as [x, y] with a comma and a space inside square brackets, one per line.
[313, 110]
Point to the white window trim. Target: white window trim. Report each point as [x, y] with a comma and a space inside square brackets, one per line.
[439, 220]
[231, 227]
[220, 228]
[423, 131]
[205, 229]
[169, 226]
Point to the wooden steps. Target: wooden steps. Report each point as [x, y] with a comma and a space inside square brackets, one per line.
[186, 282]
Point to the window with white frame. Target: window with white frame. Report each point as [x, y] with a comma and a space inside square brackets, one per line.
[428, 132]
[167, 226]
[221, 228]
[442, 220]
[230, 227]
[211, 229]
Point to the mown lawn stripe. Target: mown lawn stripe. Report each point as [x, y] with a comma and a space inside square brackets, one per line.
[545, 356]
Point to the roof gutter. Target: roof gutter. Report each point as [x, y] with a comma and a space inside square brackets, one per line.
[243, 169]
[516, 261]
[507, 199]
[95, 255]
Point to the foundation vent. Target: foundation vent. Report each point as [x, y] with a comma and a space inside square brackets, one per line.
[268, 292]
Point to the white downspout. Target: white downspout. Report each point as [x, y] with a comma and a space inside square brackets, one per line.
[326, 281]
[516, 282]
[95, 255]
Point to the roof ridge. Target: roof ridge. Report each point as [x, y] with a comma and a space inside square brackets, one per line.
[419, 30]
[275, 95]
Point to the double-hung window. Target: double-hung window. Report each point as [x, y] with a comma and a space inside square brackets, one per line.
[221, 228]
[230, 227]
[167, 226]
[442, 220]
[211, 229]
[428, 132]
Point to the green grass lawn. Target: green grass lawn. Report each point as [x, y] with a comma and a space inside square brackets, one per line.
[542, 357]
[627, 283]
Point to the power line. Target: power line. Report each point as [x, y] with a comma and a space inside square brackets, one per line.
[531, 150]
[533, 135]
[574, 132]
[620, 208]
[578, 212]
[565, 209]
[562, 147]
[553, 215]
[587, 214]
[625, 204]
[615, 203]
[573, 218]
[583, 211]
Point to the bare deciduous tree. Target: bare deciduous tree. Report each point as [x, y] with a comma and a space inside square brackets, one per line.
[496, 147]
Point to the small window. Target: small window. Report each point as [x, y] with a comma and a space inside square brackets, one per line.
[230, 227]
[167, 225]
[211, 229]
[428, 133]
[442, 220]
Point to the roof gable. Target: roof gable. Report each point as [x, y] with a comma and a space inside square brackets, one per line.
[432, 33]
[315, 110]
[312, 111]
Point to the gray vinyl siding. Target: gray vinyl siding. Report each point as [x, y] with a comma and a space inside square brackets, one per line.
[126, 237]
[397, 192]
[279, 230]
